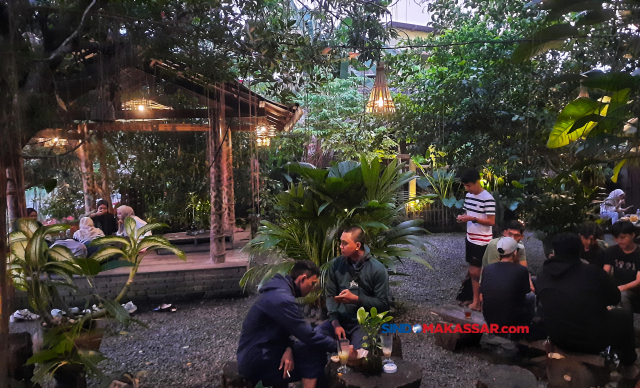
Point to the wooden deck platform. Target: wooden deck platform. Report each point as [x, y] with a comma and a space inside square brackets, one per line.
[164, 278]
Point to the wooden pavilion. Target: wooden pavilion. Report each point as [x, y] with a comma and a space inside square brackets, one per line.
[223, 107]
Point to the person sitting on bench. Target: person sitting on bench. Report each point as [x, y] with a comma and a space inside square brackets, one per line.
[513, 229]
[574, 297]
[593, 246]
[354, 280]
[623, 262]
[505, 291]
[266, 353]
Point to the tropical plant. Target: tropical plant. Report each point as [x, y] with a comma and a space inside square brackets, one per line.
[440, 181]
[600, 126]
[39, 271]
[336, 119]
[371, 323]
[134, 249]
[326, 200]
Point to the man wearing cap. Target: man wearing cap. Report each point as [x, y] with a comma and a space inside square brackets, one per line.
[513, 229]
[505, 292]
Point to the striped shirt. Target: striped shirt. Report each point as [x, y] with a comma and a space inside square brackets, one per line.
[479, 206]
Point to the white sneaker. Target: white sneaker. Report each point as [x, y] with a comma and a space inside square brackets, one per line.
[130, 307]
[24, 315]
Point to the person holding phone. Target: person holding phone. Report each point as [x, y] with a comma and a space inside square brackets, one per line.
[354, 280]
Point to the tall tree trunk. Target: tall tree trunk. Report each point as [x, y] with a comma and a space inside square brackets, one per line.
[4, 283]
[229, 217]
[216, 128]
[16, 198]
[104, 172]
[86, 166]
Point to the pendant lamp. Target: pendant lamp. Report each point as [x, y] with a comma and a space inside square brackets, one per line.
[380, 101]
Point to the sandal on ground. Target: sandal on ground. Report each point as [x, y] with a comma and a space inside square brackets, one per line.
[166, 307]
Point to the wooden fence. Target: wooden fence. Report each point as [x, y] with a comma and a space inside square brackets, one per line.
[438, 218]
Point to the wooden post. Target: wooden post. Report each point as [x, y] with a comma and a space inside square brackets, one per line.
[229, 216]
[104, 172]
[255, 194]
[216, 128]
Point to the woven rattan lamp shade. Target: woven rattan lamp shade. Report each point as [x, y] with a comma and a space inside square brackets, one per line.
[380, 101]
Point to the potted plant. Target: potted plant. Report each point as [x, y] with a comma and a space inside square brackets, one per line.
[371, 323]
[71, 343]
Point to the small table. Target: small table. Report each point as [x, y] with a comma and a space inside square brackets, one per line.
[409, 375]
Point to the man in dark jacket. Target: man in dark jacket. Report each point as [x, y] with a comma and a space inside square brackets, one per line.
[354, 280]
[266, 351]
[574, 298]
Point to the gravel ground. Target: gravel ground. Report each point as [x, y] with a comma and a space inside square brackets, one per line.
[187, 348]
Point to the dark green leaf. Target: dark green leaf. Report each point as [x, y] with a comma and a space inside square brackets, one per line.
[549, 38]
[49, 185]
[42, 356]
[115, 264]
[611, 82]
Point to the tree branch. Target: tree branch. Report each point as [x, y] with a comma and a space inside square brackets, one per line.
[65, 47]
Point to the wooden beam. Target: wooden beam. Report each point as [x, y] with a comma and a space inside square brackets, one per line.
[149, 127]
[60, 134]
[154, 114]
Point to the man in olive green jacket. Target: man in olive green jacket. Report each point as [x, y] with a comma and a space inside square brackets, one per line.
[354, 280]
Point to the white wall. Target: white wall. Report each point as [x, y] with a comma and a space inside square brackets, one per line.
[410, 11]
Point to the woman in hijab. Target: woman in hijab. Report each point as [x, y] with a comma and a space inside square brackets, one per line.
[103, 219]
[126, 211]
[87, 231]
[612, 206]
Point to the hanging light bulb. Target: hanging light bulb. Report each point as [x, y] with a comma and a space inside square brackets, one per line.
[380, 101]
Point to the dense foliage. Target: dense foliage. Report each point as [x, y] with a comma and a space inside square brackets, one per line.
[312, 212]
[601, 125]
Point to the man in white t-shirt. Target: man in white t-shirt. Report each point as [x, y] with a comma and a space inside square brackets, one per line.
[480, 216]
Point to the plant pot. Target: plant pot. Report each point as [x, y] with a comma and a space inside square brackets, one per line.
[371, 365]
[70, 376]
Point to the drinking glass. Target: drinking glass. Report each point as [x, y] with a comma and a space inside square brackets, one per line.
[387, 347]
[343, 353]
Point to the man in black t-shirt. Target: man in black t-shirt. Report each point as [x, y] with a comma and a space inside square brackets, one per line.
[505, 290]
[623, 262]
[574, 297]
[592, 245]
